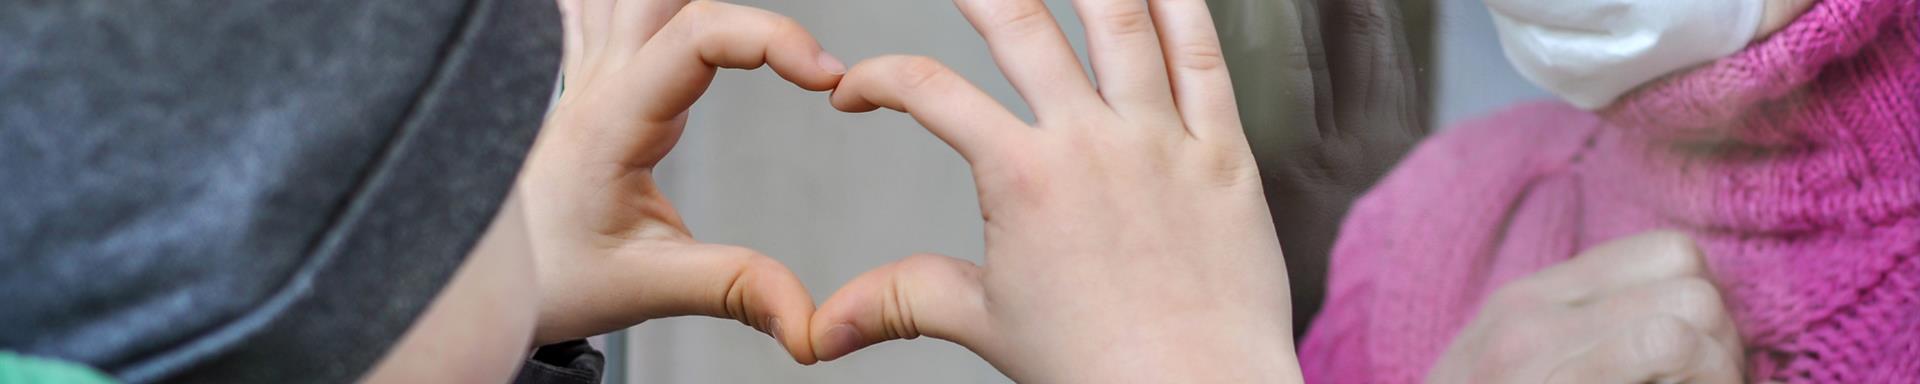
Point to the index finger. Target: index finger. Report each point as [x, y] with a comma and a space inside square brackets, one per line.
[957, 112]
[678, 64]
[1619, 265]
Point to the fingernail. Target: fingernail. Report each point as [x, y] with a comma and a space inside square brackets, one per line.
[773, 329]
[832, 64]
[841, 340]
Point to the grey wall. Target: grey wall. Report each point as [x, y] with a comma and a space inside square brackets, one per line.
[766, 165]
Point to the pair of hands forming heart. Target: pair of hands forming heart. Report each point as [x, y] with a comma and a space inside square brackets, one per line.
[1127, 237]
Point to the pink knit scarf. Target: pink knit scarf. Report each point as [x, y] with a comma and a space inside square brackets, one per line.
[1815, 232]
[1795, 163]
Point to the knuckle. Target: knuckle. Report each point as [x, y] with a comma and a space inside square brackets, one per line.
[1690, 265]
[1512, 297]
[896, 313]
[694, 22]
[701, 10]
[1228, 166]
[1087, 146]
[781, 25]
[733, 294]
[1200, 56]
[1678, 252]
[1128, 20]
[738, 254]
[1665, 343]
[1233, 169]
[924, 262]
[921, 72]
[1699, 301]
[1020, 18]
[915, 277]
[1515, 341]
[1020, 180]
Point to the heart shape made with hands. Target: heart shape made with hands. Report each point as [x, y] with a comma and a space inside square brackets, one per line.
[603, 234]
[1129, 215]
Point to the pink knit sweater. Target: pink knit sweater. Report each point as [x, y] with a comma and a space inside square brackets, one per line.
[1795, 164]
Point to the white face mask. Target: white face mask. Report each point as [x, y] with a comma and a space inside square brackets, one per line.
[1591, 52]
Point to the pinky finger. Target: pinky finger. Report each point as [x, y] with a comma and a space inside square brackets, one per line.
[1202, 89]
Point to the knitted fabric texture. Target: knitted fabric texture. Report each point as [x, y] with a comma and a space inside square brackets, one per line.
[1794, 163]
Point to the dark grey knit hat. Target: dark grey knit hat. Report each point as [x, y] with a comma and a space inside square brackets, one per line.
[252, 191]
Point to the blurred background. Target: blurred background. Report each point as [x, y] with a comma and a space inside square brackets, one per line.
[769, 166]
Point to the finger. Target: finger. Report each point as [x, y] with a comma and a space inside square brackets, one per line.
[953, 109]
[1202, 89]
[1033, 53]
[929, 295]
[1617, 265]
[596, 21]
[1369, 71]
[1692, 300]
[572, 36]
[635, 22]
[1659, 350]
[725, 282]
[677, 65]
[652, 279]
[1125, 50]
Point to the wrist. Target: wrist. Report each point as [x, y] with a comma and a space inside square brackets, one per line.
[1195, 351]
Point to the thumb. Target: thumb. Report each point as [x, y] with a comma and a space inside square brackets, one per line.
[733, 283]
[654, 279]
[931, 295]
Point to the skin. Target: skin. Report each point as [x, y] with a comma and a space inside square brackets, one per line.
[477, 329]
[607, 251]
[1635, 310]
[1127, 236]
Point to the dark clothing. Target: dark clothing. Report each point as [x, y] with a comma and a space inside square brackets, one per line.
[572, 362]
[252, 191]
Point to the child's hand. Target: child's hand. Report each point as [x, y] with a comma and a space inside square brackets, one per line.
[610, 250]
[1127, 238]
[1637, 310]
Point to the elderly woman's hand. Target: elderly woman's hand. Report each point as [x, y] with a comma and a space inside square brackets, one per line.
[1631, 311]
